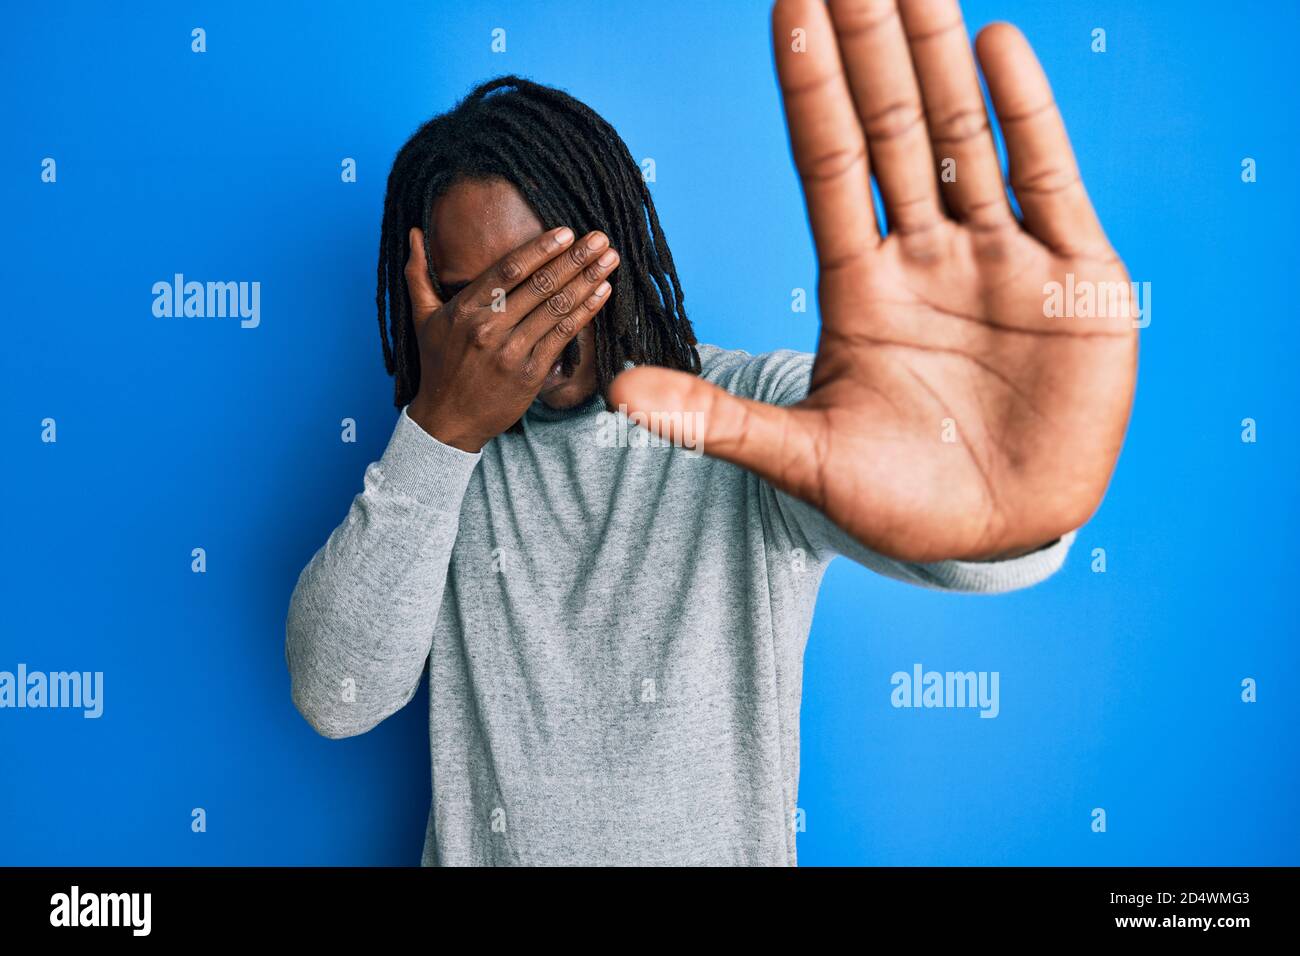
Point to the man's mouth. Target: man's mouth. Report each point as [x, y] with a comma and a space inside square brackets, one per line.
[556, 376]
[563, 369]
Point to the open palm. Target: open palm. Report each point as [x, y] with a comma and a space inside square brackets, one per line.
[950, 414]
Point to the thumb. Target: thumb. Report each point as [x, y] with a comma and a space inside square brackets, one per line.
[696, 414]
[424, 301]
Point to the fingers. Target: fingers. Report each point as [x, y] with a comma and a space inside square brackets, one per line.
[690, 411]
[550, 277]
[921, 115]
[424, 301]
[513, 269]
[1042, 167]
[970, 176]
[548, 349]
[551, 326]
[878, 64]
[825, 136]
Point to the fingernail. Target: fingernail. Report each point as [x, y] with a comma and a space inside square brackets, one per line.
[602, 290]
[564, 235]
[597, 242]
[607, 259]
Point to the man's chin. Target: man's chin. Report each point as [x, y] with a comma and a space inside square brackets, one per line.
[565, 395]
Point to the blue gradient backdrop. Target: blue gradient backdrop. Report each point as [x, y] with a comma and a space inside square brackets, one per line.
[1119, 690]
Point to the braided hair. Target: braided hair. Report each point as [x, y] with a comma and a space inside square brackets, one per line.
[574, 170]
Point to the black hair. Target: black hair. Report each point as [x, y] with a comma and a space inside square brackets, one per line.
[574, 170]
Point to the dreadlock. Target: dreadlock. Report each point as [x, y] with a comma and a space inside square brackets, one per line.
[573, 169]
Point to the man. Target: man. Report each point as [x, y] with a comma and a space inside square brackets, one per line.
[614, 630]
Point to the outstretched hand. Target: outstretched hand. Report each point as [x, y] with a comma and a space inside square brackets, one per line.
[950, 414]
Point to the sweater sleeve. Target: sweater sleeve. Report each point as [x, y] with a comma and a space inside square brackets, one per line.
[782, 377]
[361, 619]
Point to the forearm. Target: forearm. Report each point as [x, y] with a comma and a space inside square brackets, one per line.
[361, 619]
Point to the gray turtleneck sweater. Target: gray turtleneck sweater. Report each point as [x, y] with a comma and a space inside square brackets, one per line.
[614, 630]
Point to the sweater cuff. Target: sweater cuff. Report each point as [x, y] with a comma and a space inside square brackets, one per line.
[996, 577]
[416, 465]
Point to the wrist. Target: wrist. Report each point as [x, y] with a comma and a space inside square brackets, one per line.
[449, 432]
[1015, 552]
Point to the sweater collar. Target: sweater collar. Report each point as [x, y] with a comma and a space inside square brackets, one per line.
[540, 411]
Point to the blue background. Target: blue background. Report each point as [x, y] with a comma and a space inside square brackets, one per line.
[1118, 690]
